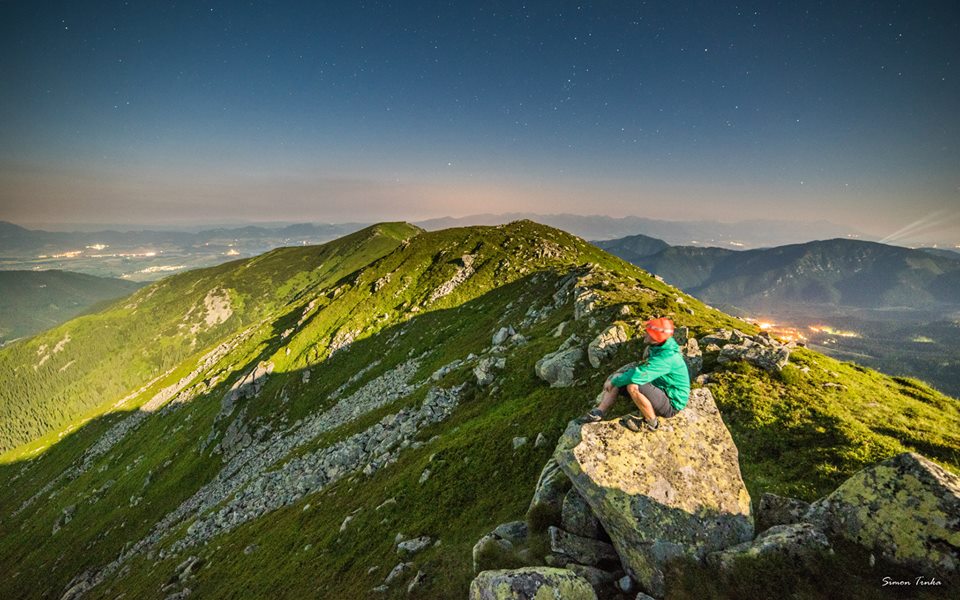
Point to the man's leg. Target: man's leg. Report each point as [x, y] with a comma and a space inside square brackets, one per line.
[609, 396]
[606, 401]
[646, 408]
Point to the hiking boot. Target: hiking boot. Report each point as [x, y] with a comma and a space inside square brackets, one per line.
[592, 417]
[637, 424]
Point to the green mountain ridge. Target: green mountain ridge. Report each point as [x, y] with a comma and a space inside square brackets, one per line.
[272, 425]
[31, 301]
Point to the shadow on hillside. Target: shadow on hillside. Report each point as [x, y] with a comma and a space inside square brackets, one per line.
[433, 330]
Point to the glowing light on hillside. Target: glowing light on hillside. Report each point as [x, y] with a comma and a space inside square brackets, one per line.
[763, 325]
[99, 246]
[831, 331]
[232, 252]
[68, 254]
[737, 244]
[162, 269]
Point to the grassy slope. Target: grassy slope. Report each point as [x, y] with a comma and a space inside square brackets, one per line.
[32, 301]
[115, 351]
[795, 436]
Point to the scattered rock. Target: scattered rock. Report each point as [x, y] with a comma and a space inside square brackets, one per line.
[397, 572]
[906, 509]
[557, 368]
[778, 510]
[424, 476]
[676, 493]
[502, 335]
[491, 552]
[518, 442]
[761, 350]
[484, 371]
[250, 549]
[65, 517]
[416, 582]
[541, 441]
[797, 542]
[414, 546]
[605, 344]
[516, 532]
[346, 521]
[531, 583]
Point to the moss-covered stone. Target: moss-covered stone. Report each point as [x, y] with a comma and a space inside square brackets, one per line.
[531, 583]
[906, 508]
[665, 494]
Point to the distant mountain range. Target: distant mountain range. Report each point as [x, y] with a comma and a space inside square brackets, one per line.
[837, 272]
[32, 301]
[756, 233]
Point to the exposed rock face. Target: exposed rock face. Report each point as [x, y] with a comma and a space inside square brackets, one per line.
[582, 550]
[463, 273]
[557, 368]
[576, 517]
[547, 502]
[605, 345]
[540, 583]
[661, 495]
[797, 542]
[905, 508]
[777, 510]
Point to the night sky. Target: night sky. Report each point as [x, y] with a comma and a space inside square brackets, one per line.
[140, 112]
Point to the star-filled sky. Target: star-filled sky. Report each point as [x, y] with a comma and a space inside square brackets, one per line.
[208, 111]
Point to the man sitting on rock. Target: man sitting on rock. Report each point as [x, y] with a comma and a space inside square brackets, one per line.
[659, 386]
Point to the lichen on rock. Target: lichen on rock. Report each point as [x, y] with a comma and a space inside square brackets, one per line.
[906, 508]
[663, 495]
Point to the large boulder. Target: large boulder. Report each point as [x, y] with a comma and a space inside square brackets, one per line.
[539, 583]
[557, 367]
[906, 509]
[665, 494]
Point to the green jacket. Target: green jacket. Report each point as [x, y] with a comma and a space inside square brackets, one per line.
[665, 369]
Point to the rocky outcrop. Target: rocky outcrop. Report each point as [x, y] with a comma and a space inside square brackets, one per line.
[540, 583]
[906, 509]
[676, 492]
[464, 271]
[797, 542]
[605, 345]
[367, 451]
[761, 350]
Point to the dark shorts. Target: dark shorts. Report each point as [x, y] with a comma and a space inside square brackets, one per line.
[657, 397]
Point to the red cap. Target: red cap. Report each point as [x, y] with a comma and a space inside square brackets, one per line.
[659, 330]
